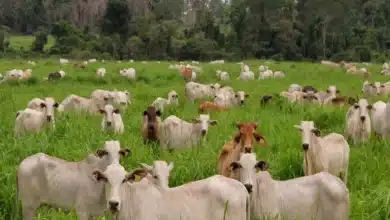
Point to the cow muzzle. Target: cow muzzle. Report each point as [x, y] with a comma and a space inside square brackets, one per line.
[49, 118]
[113, 205]
[203, 132]
[249, 187]
[305, 147]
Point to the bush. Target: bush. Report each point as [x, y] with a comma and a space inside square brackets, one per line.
[134, 48]
[40, 41]
[363, 53]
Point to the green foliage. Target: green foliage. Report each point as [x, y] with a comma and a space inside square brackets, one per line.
[116, 18]
[41, 39]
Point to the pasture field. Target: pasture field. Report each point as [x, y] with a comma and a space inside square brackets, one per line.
[19, 41]
[77, 135]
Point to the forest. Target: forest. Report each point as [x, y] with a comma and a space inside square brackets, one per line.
[310, 30]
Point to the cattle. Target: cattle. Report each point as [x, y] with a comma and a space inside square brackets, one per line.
[217, 62]
[30, 120]
[121, 98]
[330, 63]
[265, 99]
[380, 119]
[194, 91]
[222, 75]
[319, 196]
[102, 98]
[160, 171]
[266, 74]
[325, 97]
[309, 97]
[294, 87]
[309, 88]
[1, 77]
[263, 68]
[207, 106]
[358, 122]
[245, 73]
[81, 104]
[54, 76]
[329, 153]
[101, 72]
[151, 124]
[226, 97]
[368, 88]
[112, 120]
[128, 73]
[63, 61]
[160, 103]
[92, 60]
[241, 142]
[187, 73]
[177, 133]
[216, 197]
[66, 184]
[40, 104]
[341, 101]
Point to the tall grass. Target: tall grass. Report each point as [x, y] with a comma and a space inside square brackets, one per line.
[77, 135]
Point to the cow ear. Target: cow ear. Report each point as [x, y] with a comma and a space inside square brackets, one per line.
[125, 152]
[117, 111]
[235, 165]
[158, 113]
[316, 132]
[56, 105]
[246, 95]
[145, 113]
[99, 176]
[237, 137]
[262, 165]
[102, 111]
[130, 177]
[43, 105]
[101, 152]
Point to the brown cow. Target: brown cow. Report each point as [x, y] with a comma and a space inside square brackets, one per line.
[151, 124]
[186, 73]
[210, 106]
[242, 142]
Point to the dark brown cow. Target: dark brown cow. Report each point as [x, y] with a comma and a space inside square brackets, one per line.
[151, 124]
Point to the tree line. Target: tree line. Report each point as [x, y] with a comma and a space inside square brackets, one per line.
[351, 30]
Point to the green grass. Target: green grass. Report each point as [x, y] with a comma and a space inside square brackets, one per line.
[76, 136]
[19, 41]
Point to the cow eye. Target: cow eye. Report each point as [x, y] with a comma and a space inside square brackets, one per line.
[356, 106]
[156, 177]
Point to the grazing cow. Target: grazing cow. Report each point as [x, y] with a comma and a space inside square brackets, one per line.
[54, 76]
[265, 99]
[30, 120]
[293, 97]
[329, 153]
[151, 124]
[187, 73]
[66, 184]
[294, 87]
[217, 62]
[380, 119]
[216, 197]
[266, 74]
[368, 88]
[278, 74]
[241, 142]
[194, 91]
[309, 97]
[222, 75]
[160, 103]
[102, 98]
[245, 73]
[36, 103]
[63, 61]
[320, 196]
[227, 97]
[177, 133]
[309, 88]
[210, 106]
[112, 120]
[101, 72]
[358, 122]
[128, 73]
[79, 104]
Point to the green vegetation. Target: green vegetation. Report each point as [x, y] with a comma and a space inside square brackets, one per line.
[18, 42]
[76, 136]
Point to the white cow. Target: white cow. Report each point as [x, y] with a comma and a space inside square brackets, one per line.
[30, 120]
[160, 103]
[194, 91]
[63, 61]
[222, 75]
[112, 120]
[278, 74]
[160, 171]
[368, 88]
[66, 184]
[128, 73]
[40, 104]
[329, 153]
[217, 62]
[92, 60]
[177, 133]
[245, 73]
[101, 72]
[294, 87]
[380, 119]
[228, 98]
[266, 74]
[78, 104]
[102, 98]
[216, 197]
[358, 122]
[321, 196]
[122, 98]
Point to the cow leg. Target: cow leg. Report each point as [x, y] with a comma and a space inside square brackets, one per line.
[83, 215]
[29, 210]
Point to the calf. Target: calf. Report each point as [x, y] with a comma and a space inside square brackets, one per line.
[241, 142]
[358, 122]
[177, 133]
[160, 103]
[216, 197]
[29, 120]
[329, 153]
[112, 120]
[210, 106]
[151, 124]
[320, 196]
[66, 184]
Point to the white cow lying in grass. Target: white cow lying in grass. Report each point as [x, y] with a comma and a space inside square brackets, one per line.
[358, 122]
[112, 120]
[128, 73]
[222, 75]
[216, 197]
[245, 73]
[321, 196]
[177, 133]
[329, 153]
[101, 72]
[227, 98]
[194, 91]
[30, 120]
[160, 103]
[66, 184]
[81, 104]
